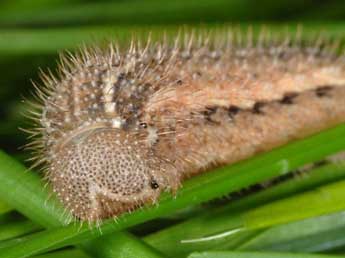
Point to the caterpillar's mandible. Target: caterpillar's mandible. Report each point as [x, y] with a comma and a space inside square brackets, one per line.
[118, 127]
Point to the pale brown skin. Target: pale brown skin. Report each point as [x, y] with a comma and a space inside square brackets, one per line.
[118, 130]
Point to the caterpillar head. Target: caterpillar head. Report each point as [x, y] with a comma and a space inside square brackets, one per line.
[103, 172]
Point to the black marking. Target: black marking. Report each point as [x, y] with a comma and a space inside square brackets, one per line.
[121, 76]
[154, 184]
[255, 75]
[255, 188]
[233, 111]
[198, 73]
[323, 91]
[209, 112]
[320, 163]
[179, 82]
[288, 98]
[257, 108]
[143, 125]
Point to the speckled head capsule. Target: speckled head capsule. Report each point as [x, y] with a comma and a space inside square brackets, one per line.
[99, 173]
[119, 127]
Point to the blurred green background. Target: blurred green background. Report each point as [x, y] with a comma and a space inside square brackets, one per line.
[33, 32]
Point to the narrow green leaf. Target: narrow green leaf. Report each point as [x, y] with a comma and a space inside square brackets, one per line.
[148, 12]
[229, 254]
[69, 253]
[122, 246]
[15, 229]
[228, 217]
[301, 182]
[25, 191]
[322, 200]
[19, 42]
[318, 234]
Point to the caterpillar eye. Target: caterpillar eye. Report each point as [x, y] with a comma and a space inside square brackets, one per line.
[154, 184]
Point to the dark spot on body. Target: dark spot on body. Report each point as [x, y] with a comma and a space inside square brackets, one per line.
[179, 82]
[323, 91]
[209, 112]
[233, 111]
[121, 76]
[143, 125]
[257, 108]
[255, 75]
[288, 98]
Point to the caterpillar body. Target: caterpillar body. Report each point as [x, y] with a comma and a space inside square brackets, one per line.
[118, 127]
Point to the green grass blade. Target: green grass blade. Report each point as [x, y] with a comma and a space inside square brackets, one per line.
[15, 229]
[25, 192]
[308, 180]
[122, 245]
[34, 244]
[227, 217]
[322, 200]
[229, 254]
[53, 40]
[149, 12]
[19, 42]
[319, 234]
[52, 239]
[71, 253]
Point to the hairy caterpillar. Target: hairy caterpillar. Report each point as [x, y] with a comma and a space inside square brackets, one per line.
[118, 127]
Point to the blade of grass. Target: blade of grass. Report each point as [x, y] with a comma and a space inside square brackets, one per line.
[221, 181]
[320, 175]
[15, 229]
[225, 218]
[151, 12]
[224, 254]
[14, 7]
[25, 192]
[310, 179]
[322, 200]
[69, 253]
[42, 241]
[319, 234]
[306, 235]
[49, 41]
[168, 240]
[54, 40]
[122, 246]
[33, 244]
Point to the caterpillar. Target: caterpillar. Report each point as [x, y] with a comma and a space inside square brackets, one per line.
[117, 127]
